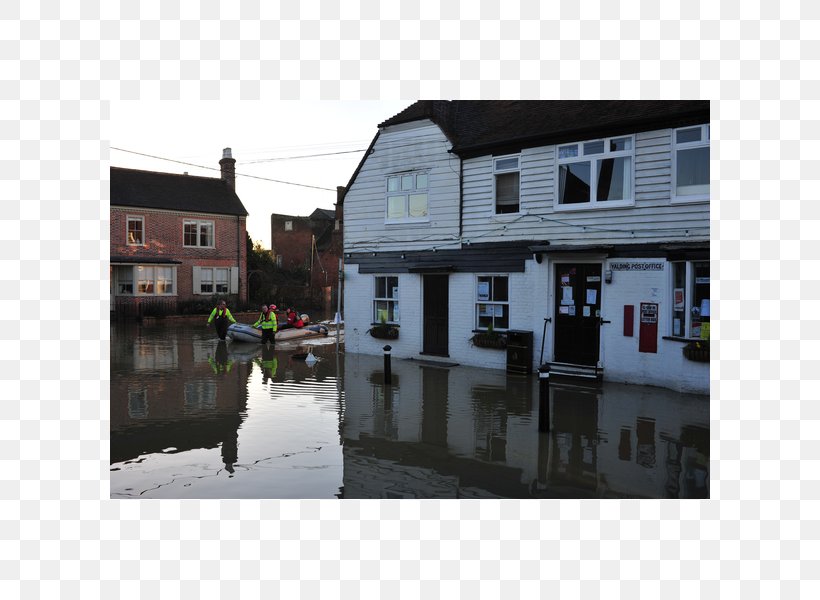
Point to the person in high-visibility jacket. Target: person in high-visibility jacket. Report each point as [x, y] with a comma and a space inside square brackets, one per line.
[267, 323]
[221, 315]
[268, 363]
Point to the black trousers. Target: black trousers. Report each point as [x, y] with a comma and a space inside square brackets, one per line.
[221, 324]
[267, 336]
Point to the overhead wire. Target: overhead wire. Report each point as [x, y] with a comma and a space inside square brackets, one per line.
[181, 162]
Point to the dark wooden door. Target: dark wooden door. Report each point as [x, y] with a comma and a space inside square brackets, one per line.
[577, 313]
[435, 314]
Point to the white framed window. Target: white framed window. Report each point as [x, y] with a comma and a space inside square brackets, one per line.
[506, 184]
[151, 280]
[596, 173]
[690, 164]
[214, 280]
[407, 197]
[288, 225]
[123, 281]
[690, 298]
[134, 230]
[386, 299]
[198, 233]
[492, 302]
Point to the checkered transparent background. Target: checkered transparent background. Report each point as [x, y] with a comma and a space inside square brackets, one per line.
[63, 63]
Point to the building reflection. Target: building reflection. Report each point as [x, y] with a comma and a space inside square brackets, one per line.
[176, 395]
[469, 433]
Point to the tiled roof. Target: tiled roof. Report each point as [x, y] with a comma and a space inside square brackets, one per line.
[186, 193]
[485, 126]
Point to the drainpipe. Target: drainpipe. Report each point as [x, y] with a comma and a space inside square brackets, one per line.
[239, 261]
[460, 194]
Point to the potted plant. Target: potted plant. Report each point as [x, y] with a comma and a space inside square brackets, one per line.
[489, 339]
[384, 331]
[697, 350]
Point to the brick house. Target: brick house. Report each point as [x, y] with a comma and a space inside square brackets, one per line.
[313, 243]
[577, 230]
[176, 238]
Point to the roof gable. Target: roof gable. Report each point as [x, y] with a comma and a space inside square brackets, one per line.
[169, 191]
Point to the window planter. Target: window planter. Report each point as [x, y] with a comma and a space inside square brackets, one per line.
[484, 339]
[384, 332]
[697, 351]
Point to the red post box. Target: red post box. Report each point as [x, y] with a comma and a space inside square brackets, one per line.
[648, 336]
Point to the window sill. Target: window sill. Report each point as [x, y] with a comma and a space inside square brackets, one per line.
[407, 222]
[506, 217]
[593, 205]
[684, 340]
[690, 200]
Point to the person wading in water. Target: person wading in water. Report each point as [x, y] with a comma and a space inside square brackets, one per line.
[221, 315]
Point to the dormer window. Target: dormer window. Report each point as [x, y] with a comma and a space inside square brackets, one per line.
[407, 197]
[596, 173]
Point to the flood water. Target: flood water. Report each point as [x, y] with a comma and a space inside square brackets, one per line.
[193, 417]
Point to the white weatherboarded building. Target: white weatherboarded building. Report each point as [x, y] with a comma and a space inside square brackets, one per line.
[576, 231]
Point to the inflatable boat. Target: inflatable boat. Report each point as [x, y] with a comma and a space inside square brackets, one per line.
[239, 332]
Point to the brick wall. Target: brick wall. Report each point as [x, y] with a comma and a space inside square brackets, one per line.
[163, 237]
[293, 246]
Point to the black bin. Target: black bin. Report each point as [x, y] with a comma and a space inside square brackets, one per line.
[519, 351]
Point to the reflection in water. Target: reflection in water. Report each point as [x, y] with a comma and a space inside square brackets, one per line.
[472, 433]
[192, 416]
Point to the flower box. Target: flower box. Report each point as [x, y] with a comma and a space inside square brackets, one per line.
[384, 332]
[697, 351]
[483, 339]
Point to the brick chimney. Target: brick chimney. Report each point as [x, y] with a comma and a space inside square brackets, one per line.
[228, 168]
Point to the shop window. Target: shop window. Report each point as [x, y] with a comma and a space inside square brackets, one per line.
[386, 300]
[690, 299]
[492, 302]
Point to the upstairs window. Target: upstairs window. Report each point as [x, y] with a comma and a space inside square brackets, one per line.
[407, 196]
[690, 163]
[507, 184]
[198, 233]
[134, 231]
[596, 173]
[492, 302]
[386, 300]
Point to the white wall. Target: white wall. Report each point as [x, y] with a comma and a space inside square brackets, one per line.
[420, 145]
[653, 218]
[531, 300]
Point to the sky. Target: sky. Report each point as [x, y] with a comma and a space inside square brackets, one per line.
[256, 132]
